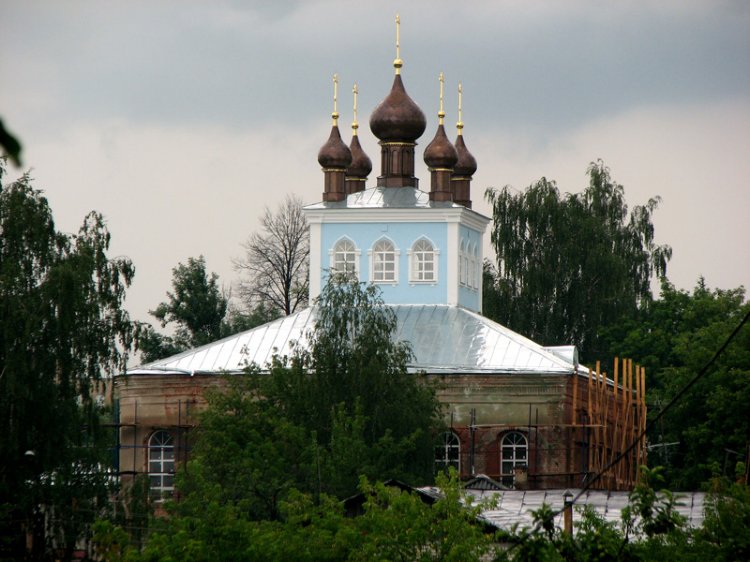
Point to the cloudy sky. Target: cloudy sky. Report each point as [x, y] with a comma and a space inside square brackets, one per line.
[181, 120]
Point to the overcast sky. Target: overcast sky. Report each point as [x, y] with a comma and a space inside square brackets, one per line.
[181, 120]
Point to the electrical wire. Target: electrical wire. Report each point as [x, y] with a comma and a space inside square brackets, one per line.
[650, 425]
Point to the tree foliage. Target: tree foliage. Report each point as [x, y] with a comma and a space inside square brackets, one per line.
[395, 525]
[571, 264]
[275, 269]
[674, 337]
[62, 327]
[196, 306]
[200, 312]
[343, 407]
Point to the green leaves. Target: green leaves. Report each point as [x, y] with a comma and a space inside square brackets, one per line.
[570, 264]
[62, 330]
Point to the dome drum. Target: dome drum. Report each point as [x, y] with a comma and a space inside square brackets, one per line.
[397, 165]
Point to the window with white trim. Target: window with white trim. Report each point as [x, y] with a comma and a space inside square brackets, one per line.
[514, 451]
[345, 257]
[161, 464]
[383, 262]
[423, 260]
[448, 452]
[472, 272]
[462, 263]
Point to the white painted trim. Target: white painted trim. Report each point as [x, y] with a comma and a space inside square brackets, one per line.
[452, 264]
[396, 258]
[357, 254]
[435, 262]
[316, 271]
[468, 218]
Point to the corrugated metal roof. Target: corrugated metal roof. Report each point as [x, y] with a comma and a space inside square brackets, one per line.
[385, 197]
[515, 506]
[445, 339]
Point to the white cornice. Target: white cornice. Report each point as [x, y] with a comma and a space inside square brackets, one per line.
[461, 215]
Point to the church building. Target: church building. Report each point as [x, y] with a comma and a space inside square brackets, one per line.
[519, 413]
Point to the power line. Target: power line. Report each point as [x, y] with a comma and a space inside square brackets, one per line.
[664, 410]
[651, 424]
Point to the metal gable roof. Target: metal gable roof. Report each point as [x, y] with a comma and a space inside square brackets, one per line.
[445, 339]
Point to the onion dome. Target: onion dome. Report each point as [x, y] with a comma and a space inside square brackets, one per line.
[334, 153]
[361, 165]
[467, 164]
[440, 153]
[397, 117]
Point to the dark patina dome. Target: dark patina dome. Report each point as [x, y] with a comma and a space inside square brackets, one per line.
[334, 153]
[440, 153]
[361, 165]
[397, 117]
[467, 164]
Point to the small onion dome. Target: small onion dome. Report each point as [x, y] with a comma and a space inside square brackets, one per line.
[334, 153]
[440, 153]
[398, 117]
[361, 165]
[467, 164]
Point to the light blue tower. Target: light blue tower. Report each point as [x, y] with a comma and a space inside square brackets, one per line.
[418, 247]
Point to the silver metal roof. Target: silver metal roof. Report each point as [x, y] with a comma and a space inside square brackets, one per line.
[445, 339]
[385, 197]
[515, 506]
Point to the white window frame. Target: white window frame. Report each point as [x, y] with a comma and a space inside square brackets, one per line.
[415, 262]
[333, 252]
[448, 452]
[463, 264]
[373, 254]
[472, 259]
[514, 451]
[161, 463]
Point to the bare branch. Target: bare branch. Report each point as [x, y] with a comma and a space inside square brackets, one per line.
[274, 271]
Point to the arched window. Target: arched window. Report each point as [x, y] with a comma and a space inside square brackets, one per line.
[345, 257]
[423, 260]
[514, 449]
[384, 263]
[472, 265]
[161, 463]
[462, 263]
[448, 452]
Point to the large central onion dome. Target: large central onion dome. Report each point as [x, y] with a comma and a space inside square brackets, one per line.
[398, 118]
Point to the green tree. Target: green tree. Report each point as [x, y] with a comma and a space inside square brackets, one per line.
[352, 384]
[675, 336]
[196, 306]
[62, 329]
[395, 525]
[343, 407]
[569, 265]
[200, 312]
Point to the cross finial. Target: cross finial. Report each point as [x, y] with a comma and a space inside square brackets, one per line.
[335, 114]
[398, 63]
[355, 125]
[460, 124]
[441, 113]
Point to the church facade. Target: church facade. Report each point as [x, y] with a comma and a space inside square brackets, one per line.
[524, 415]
